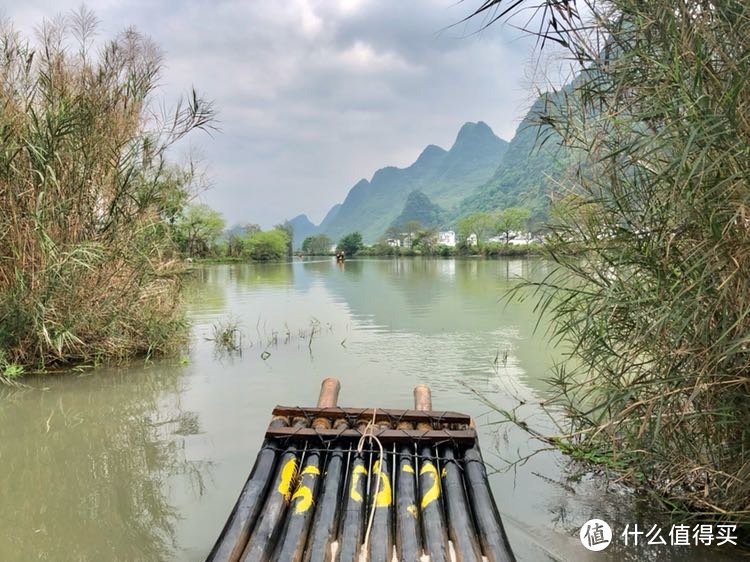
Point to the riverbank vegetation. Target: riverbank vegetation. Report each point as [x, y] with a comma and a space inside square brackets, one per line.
[199, 233]
[652, 286]
[87, 197]
[487, 250]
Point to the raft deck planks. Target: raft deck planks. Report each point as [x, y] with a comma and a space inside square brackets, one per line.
[313, 497]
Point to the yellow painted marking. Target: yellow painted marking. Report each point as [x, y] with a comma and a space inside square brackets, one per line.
[304, 492]
[385, 496]
[287, 477]
[359, 470]
[413, 510]
[306, 499]
[434, 492]
[443, 473]
[408, 468]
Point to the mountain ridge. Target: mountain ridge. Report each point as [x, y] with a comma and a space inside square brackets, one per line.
[443, 176]
[480, 172]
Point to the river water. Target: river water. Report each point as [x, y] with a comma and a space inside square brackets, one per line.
[145, 462]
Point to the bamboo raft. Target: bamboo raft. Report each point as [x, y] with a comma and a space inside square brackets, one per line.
[417, 490]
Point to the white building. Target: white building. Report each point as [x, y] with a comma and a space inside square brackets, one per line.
[447, 238]
[471, 240]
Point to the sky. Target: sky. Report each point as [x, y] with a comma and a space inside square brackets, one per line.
[313, 95]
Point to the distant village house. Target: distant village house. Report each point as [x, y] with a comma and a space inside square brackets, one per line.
[447, 238]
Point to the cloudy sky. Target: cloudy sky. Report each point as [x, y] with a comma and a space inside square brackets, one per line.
[315, 94]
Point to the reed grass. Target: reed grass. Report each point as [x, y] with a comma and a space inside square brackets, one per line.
[651, 241]
[86, 195]
[227, 336]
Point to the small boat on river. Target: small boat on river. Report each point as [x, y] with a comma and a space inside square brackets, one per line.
[366, 484]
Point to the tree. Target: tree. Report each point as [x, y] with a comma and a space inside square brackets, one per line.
[512, 218]
[237, 237]
[424, 240]
[319, 244]
[268, 245]
[351, 243]
[480, 224]
[392, 233]
[288, 229]
[198, 229]
[412, 227]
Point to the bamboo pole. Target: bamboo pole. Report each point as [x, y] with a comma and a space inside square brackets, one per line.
[268, 527]
[236, 532]
[291, 544]
[328, 398]
[326, 518]
[422, 398]
[408, 533]
[266, 531]
[380, 545]
[495, 545]
[353, 520]
[460, 525]
[433, 519]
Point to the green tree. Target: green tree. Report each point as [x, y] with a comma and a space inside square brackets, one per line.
[481, 224]
[198, 228]
[351, 243]
[512, 218]
[238, 236]
[288, 229]
[319, 244]
[268, 245]
[425, 241]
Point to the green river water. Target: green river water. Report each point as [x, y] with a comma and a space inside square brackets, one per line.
[145, 462]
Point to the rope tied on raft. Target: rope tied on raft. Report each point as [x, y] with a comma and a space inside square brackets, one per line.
[369, 433]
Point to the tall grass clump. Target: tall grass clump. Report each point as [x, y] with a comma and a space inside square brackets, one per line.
[651, 239]
[86, 195]
[227, 336]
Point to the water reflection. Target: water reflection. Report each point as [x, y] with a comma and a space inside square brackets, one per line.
[145, 463]
[86, 467]
[264, 274]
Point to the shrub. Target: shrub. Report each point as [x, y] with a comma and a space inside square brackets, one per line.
[268, 245]
[351, 243]
[86, 197]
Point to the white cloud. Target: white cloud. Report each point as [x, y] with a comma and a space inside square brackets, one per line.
[361, 57]
[315, 94]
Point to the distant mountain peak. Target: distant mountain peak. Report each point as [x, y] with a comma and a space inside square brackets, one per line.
[419, 208]
[302, 227]
[470, 128]
[478, 133]
[384, 174]
[430, 156]
[431, 150]
[302, 217]
[426, 190]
